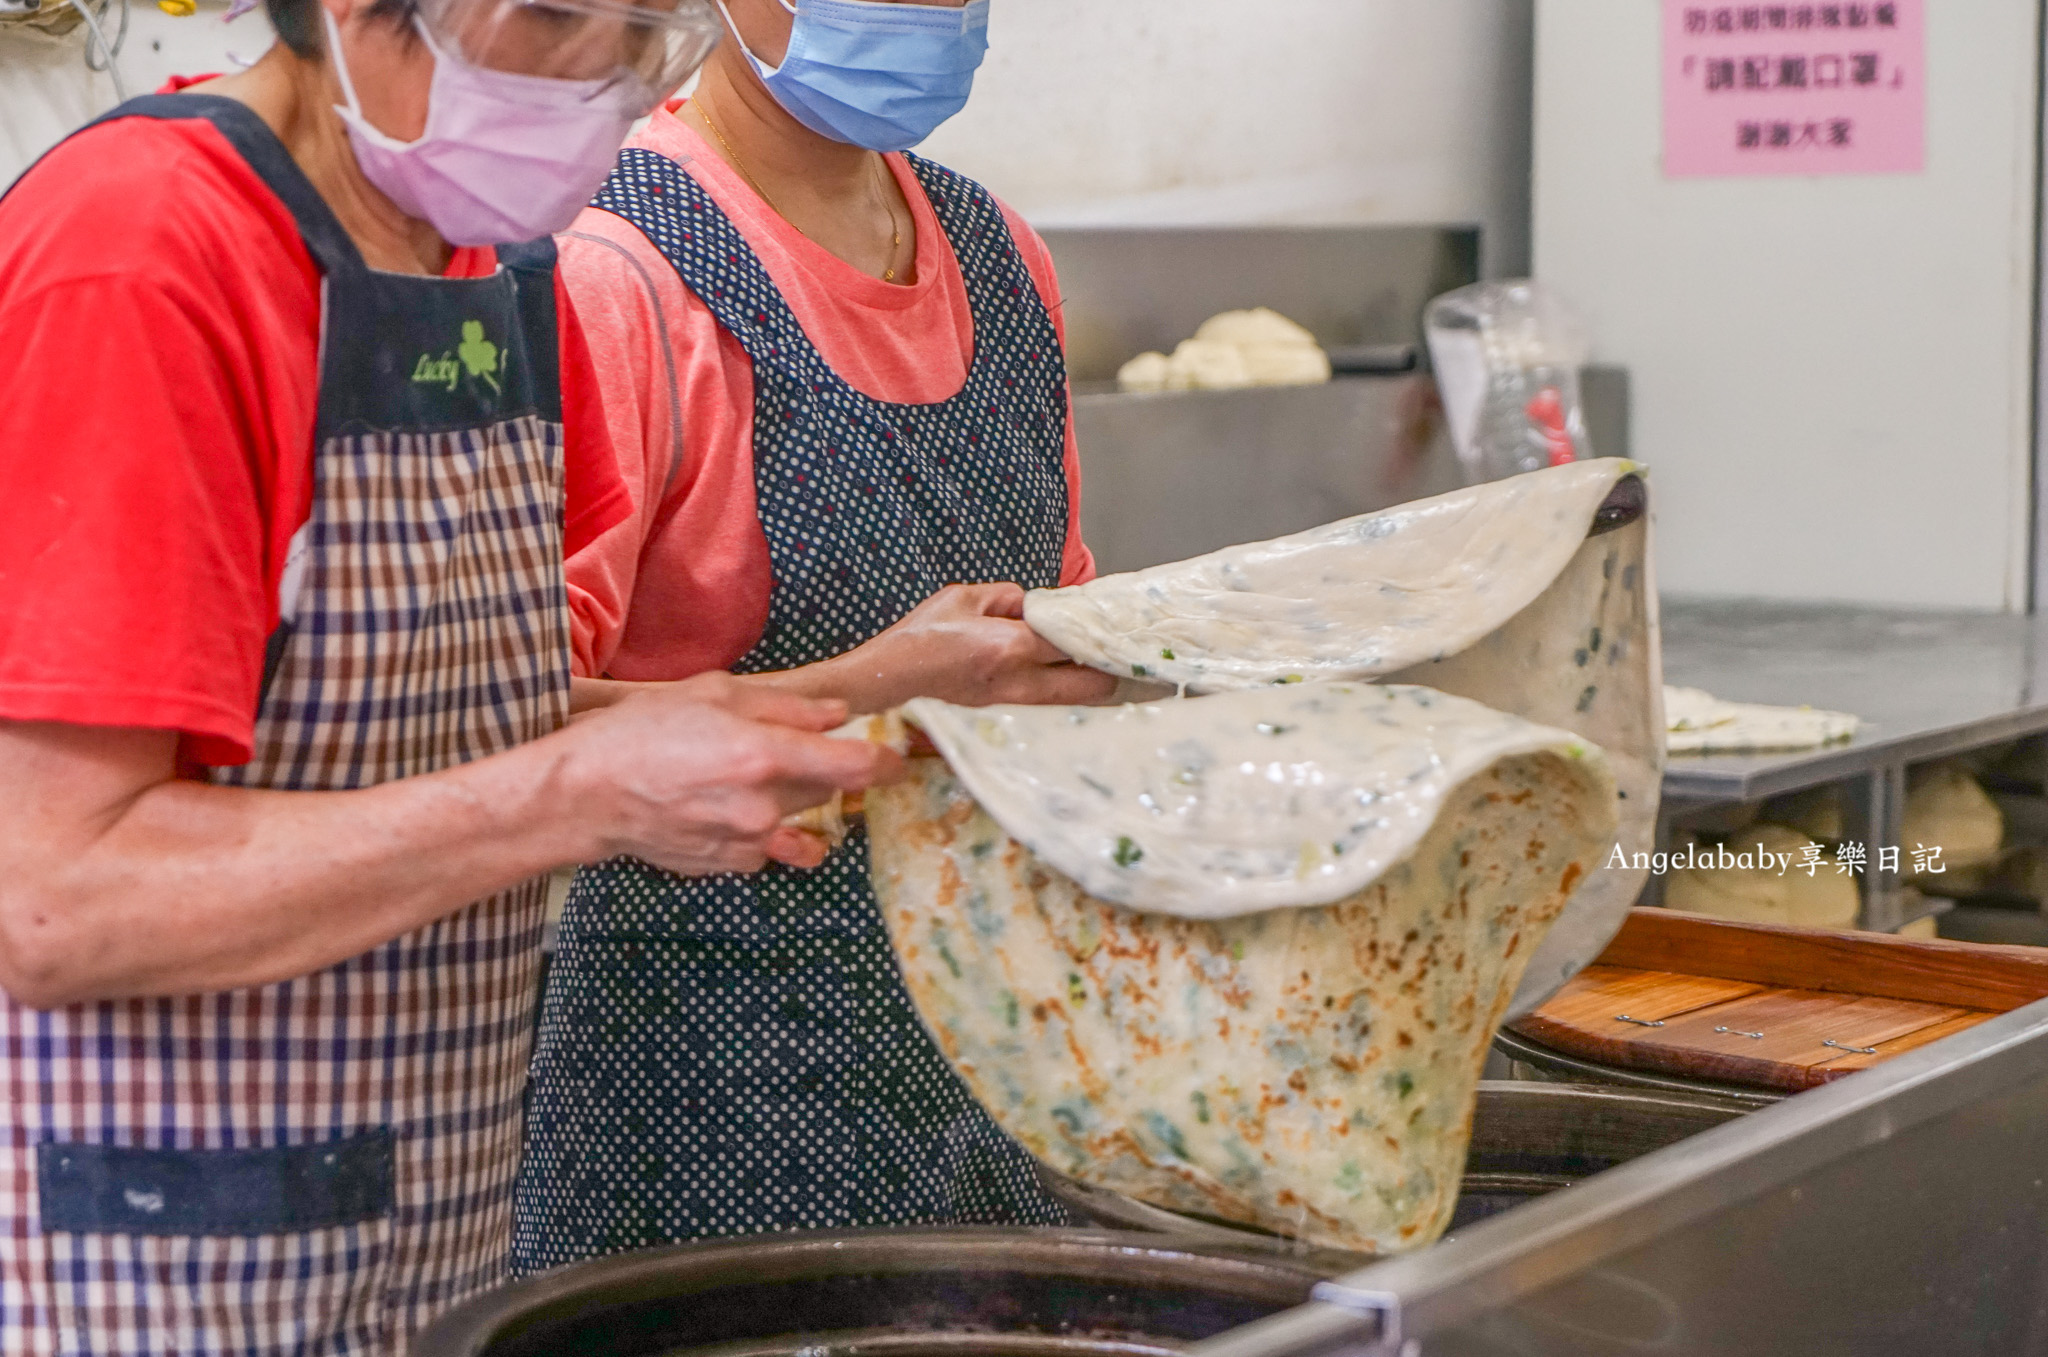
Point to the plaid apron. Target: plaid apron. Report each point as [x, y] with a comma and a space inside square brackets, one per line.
[321, 1166]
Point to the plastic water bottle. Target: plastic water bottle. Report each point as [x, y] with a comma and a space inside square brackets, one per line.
[1507, 356]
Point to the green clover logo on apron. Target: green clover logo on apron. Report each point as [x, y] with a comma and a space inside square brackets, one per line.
[475, 355]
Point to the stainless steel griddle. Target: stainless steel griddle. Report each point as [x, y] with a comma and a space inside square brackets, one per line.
[1899, 1211]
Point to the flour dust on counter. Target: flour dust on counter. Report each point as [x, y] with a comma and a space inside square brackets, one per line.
[1266, 1006]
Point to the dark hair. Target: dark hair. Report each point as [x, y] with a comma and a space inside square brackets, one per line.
[298, 21]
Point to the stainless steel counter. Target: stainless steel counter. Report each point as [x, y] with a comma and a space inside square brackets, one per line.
[1926, 685]
[1124, 290]
[1175, 474]
[1897, 1211]
[1179, 473]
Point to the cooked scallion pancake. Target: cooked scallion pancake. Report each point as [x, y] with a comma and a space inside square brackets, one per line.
[1353, 599]
[1532, 595]
[1309, 1068]
[1219, 806]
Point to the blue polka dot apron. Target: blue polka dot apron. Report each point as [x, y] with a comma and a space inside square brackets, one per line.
[319, 1167]
[737, 1054]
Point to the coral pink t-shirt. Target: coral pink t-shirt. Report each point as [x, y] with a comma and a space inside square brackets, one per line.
[682, 585]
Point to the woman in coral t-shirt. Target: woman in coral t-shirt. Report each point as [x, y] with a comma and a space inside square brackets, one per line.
[835, 381]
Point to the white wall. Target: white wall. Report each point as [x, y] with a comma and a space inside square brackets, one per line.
[1138, 111]
[46, 91]
[1831, 375]
[1210, 111]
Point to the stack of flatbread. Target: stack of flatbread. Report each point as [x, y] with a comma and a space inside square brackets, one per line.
[1242, 954]
[1700, 723]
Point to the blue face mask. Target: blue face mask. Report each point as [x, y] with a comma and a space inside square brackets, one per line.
[878, 75]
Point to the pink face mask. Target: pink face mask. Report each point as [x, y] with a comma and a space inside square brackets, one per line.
[504, 158]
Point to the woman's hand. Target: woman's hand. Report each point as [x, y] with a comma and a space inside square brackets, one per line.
[698, 776]
[966, 644]
[119, 878]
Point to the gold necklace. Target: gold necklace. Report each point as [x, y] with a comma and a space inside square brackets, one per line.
[895, 232]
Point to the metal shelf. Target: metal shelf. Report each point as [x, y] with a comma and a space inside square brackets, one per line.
[1926, 684]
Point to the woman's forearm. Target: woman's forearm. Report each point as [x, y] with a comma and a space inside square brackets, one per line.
[190, 888]
[855, 678]
[589, 695]
[967, 643]
[117, 880]
[840, 679]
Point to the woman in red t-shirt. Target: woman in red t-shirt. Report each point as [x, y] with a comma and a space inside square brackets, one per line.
[284, 665]
[835, 382]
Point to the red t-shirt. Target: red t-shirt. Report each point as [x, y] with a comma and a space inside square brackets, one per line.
[160, 319]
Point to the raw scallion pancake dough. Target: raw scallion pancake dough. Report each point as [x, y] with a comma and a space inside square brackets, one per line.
[1387, 858]
[1510, 593]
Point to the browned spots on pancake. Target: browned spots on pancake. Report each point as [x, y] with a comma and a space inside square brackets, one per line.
[1127, 944]
[1293, 1201]
[1166, 993]
[1092, 1082]
[1572, 872]
[951, 883]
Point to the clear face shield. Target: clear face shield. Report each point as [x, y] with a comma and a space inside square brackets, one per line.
[529, 103]
[629, 55]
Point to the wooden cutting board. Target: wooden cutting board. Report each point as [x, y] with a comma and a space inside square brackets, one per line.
[1769, 1007]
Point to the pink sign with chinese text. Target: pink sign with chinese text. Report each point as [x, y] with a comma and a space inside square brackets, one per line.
[1794, 89]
